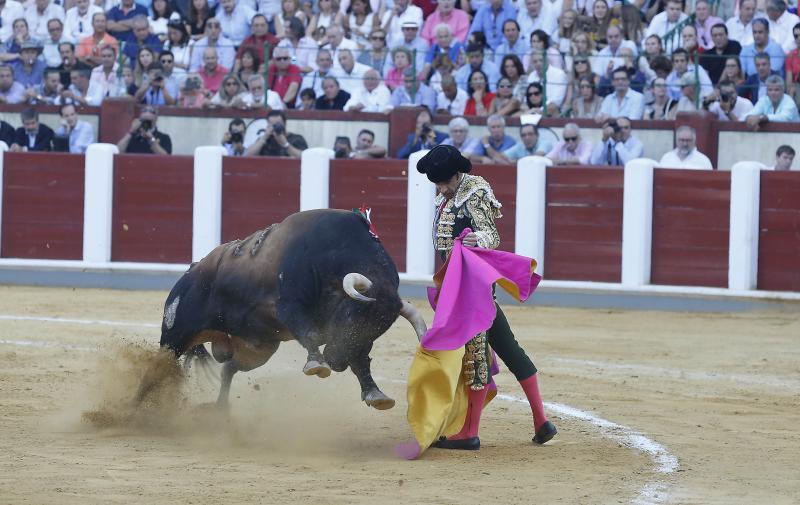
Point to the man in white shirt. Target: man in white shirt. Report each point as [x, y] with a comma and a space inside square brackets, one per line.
[313, 80]
[624, 101]
[665, 22]
[255, 97]
[686, 154]
[50, 52]
[451, 100]
[350, 73]
[372, 97]
[103, 82]
[557, 82]
[393, 19]
[740, 28]
[337, 42]
[727, 105]
[226, 53]
[784, 157]
[609, 58]
[10, 10]
[781, 24]
[38, 14]
[235, 20]
[78, 22]
[537, 16]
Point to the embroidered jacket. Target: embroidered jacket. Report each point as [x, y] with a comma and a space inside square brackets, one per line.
[473, 206]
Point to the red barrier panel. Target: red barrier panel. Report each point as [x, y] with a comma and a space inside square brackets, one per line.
[257, 192]
[42, 206]
[152, 215]
[384, 187]
[503, 179]
[691, 226]
[779, 236]
[583, 224]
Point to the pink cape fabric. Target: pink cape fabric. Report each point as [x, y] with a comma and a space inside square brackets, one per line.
[464, 304]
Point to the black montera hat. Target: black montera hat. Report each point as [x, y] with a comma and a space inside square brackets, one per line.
[442, 163]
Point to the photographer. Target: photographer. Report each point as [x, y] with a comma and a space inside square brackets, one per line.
[233, 140]
[276, 141]
[424, 136]
[143, 136]
[156, 91]
[726, 104]
[618, 146]
[342, 148]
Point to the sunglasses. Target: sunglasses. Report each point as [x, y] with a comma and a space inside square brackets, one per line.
[282, 58]
[570, 139]
[231, 83]
[213, 25]
[166, 60]
[503, 85]
[377, 37]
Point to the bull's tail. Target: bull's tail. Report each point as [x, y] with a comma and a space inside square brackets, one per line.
[355, 285]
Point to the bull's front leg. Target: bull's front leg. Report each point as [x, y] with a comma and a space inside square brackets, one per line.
[370, 393]
[315, 362]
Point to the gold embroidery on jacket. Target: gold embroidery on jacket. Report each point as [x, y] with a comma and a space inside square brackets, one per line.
[474, 200]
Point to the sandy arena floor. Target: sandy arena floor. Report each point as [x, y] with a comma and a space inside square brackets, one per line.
[651, 407]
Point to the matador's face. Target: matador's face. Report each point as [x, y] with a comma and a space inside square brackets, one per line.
[448, 188]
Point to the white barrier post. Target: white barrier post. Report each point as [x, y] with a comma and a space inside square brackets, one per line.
[744, 216]
[207, 200]
[637, 222]
[315, 175]
[531, 208]
[98, 202]
[420, 214]
[3, 148]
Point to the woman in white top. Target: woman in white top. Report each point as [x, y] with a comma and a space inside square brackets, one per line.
[159, 19]
[361, 22]
[229, 93]
[302, 49]
[178, 42]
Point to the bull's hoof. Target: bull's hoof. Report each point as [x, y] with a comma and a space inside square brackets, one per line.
[378, 400]
[314, 367]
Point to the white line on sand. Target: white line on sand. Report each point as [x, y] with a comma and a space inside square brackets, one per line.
[654, 492]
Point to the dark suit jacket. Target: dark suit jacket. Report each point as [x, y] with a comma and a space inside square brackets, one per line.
[749, 88]
[715, 63]
[6, 133]
[44, 139]
[338, 103]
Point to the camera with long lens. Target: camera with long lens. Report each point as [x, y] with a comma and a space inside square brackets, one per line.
[342, 148]
[146, 125]
[236, 138]
[725, 97]
[278, 129]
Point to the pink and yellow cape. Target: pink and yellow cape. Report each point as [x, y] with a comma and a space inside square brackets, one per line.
[464, 304]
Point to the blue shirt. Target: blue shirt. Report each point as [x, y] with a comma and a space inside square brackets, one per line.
[520, 48]
[488, 67]
[79, 138]
[632, 106]
[115, 14]
[507, 143]
[776, 58]
[28, 79]
[519, 150]
[132, 46]
[785, 112]
[424, 96]
[455, 49]
[491, 23]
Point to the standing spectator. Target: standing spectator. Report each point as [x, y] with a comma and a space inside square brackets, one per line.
[618, 145]
[784, 157]
[740, 28]
[212, 72]
[55, 30]
[713, 60]
[685, 155]
[277, 140]
[573, 150]
[284, 77]
[755, 86]
[775, 107]
[32, 135]
[29, 69]
[10, 11]
[143, 137]
[531, 144]
[491, 18]
[69, 63]
[704, 22]
[537, 16]
[781, 24]
[727, 105]
[624, 102]
[350, 73]
[73, 135]
[664, 22]
[104, 82]
[451, 100]
[394, 19]
[78, 22]
[447, 13]
[89, 47]
[49, 92]
[120, 19]
[234, 20]
[424, 136]
[313, 80]
[214, 39]
[38, 13]
[555, 86]
[373, 96]
[476, 62]
[512, 43]
[333, 97]
[413, 93]
[259, 37]
[496, 142]
[254, 98]
[140, 38]
[761, 44]
[469, 147]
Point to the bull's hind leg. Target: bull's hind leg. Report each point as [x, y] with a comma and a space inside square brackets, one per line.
[245, 358]
[370, 393]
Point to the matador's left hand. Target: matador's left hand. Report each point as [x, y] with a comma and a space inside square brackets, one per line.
[470, 240]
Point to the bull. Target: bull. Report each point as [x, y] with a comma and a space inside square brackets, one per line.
[319, 277]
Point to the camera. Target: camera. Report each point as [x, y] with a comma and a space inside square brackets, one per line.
[614, 126]
[725, 97]
[146, 125]
[425, 131]
[192, 83]
[236, 138]
[278, 129]
[342, 147]
[158, 78]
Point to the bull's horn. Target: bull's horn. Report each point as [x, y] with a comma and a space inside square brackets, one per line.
[415, 318]
[355, 284]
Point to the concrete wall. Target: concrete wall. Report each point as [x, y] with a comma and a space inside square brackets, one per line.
[754, 146]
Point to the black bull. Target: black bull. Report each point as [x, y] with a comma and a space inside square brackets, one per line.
[318, 277]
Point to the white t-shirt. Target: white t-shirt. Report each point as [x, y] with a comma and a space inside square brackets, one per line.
[742, 107]
[695, 161]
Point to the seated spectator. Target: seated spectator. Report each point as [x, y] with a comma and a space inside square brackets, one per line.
[424, 136]
[229, 94]
[120, 18]
[50, 54]
[618, 146]
[733, 72]
[784, 157]
[504, 102]
[338, 43]
[496, 142]
[681, 67]
[512, 44]
[285, 77]
[32, 135]
[689, 42]
[160, 17]
[173, 76]
[29, 69]
[445, 46]
[328, 15]
[373, 96]
[256, 41]
[665, 21]
[480, 99]
[460, 139]
[662, 106]
[442, 66]
[446, 12]
[313, 80]
[6, 133]
[713, 60]
[726, 104]
[233, 139]
[10, 11]
[414, 43]
[89, 47]
[490, 19]
[155, 90]
[277, 140]
[413, 93]
[793, 67]
[104, 81]
[540, 42]
[143, 137]
[350, 74]
[144, 58]
[781, 24]
[49, 92]
[761, 44]
[78, 90]
[214, 39]
[740, 28]
[609, 58]
[686, 154]
[69, 63]
[534, 100]
[537, 16]
[451, 100]
[775, 107]
[308, 100]
[573, 150]
[531, 145]
[178, 44]
[234, 19]
[755, 86]
[624, 102]
[377, 56]
[511, 68]
[141, 38]
[476, 62]
[38, 13]
[689, 101]
[555, 86]
[333, 97]
[403, 14]
[596, 21]
[401, 60]
[73, 135]
[704, 23]
[12, 45]
[254, 97]
[587, 104]
[192, 94]
[366, 147]
[212, 73]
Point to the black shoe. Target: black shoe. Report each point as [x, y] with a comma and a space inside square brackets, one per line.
[464, 444]
[545, 433]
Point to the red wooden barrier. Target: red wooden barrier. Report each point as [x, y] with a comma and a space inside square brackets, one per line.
[691, 225]
[583, 224]
[779, 237]
[257, 192]
[503, 179]
[152, 219]
[382, 186]
[42, 206]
